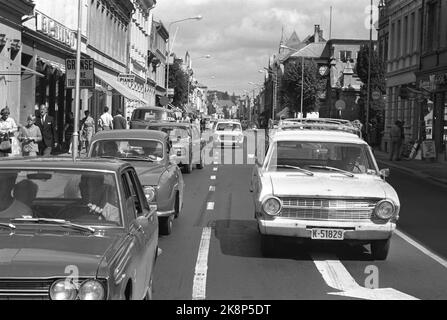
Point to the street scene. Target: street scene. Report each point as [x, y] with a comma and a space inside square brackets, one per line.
[186, 151]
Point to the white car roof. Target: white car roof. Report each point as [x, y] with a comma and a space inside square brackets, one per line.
[317, 135]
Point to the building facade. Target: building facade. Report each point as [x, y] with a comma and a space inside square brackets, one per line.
[399, 45]
[12, 69]
[432, 75]
[158, 61]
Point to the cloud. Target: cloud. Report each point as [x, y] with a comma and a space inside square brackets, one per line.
[241, 35]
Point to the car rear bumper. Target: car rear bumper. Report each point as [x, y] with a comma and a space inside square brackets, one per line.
[302, 228]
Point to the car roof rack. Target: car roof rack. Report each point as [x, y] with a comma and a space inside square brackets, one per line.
[321, 124]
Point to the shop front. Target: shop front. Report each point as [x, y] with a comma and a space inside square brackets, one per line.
[435, 116]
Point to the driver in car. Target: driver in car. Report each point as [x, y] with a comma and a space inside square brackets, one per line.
[99, 198]
[10, 207]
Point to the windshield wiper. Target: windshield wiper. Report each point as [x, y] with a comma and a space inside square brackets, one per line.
[347, 173]
[8, 225]
[309, 173]
[62, 223]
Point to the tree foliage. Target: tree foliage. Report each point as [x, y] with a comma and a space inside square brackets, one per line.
[290, 89]
[178, 80]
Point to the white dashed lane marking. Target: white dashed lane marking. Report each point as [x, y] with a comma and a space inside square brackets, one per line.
[201, 271]
[212, 188]
[210, 206]
[213, 178]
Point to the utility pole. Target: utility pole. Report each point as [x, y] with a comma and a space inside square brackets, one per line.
[368, 97]
[77, 88]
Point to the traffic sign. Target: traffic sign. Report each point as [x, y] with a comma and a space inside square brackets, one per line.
[340, 105]
[87, 79]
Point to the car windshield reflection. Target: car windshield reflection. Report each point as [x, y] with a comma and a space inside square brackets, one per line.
[150, 150]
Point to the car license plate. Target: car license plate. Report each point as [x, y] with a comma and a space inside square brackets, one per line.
[328, 234]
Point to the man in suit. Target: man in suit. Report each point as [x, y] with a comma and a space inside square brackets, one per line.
[119, 122]
[47, 126]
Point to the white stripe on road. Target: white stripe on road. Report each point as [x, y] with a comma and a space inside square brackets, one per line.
[338, 277]
[212, 188]
[199, 285]
[215, 169]
[210, 206]
[421, 248]
[213, 177]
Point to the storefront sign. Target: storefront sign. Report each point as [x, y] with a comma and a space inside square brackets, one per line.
[55, 30]
[428, 149]
[87, 80]
[126, 78]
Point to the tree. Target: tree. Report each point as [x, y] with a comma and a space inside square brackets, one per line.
[178, 80]
[290, 89]
[378, 83]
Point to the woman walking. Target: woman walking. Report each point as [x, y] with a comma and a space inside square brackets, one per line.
[30, 137]
[8, 128]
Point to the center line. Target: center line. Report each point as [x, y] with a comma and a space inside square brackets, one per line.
[212, 188]
[215, 169]
[213, 177]
[199, 285]
[210, 206]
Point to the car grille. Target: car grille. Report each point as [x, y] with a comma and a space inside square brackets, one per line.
[25, 289]
[328, 209]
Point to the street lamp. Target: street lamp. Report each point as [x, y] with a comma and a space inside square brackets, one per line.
[171, 45]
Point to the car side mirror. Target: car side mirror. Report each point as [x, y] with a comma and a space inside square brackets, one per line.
[385, 173]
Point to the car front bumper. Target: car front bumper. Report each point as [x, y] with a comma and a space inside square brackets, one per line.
[362, 230]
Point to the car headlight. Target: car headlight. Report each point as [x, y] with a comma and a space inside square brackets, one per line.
[150, 193]
[91, 290]
[272, 206]
[385, 210]
[63, 290]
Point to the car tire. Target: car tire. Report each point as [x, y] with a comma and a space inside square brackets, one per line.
[166, 225]
[267, 246]
[380, 249]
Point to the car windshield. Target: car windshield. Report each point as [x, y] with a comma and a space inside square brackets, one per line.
[151, 150]
[321, 156]
[229, 127]
[81, 197]
[173, 132]
[151, 115]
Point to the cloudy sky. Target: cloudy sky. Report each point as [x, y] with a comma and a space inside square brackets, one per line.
[240, 35]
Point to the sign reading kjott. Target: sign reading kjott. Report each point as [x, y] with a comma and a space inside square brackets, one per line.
[87, 80]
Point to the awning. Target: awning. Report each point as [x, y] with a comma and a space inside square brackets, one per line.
[55, 65]
[16, 73]
[115, 84]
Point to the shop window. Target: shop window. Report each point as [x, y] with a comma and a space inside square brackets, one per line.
[345, 56]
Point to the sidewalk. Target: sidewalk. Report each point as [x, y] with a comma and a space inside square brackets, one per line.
[436, 171]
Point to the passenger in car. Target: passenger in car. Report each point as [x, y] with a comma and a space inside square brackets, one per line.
[10, 207]
[25, 192]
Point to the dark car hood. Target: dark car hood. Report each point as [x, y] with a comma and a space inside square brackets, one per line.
[48, 254]
[148, 173]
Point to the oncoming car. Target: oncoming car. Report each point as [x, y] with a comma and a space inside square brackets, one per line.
[75, 231]
[323, 184]
[228, 134]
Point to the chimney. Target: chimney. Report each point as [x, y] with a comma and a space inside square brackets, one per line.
[317, 33]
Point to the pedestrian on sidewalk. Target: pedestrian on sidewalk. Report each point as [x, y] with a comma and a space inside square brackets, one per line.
[30, 137]
[8, 128]
[87, 130]
[47, 127]
[396, 136]
[106, 121]
[119, 122]
[68, 132]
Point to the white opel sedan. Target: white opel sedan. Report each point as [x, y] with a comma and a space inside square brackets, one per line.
[228, 134]
[323, 184]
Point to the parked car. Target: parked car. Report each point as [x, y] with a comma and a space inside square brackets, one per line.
[187, 144]
[143, 116]
[228, 133]
[323, 183]
[149, 152]
[75, 231]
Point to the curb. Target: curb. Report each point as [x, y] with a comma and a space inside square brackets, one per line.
[413, 172]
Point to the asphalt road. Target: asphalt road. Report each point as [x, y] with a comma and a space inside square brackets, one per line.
[214, 251]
